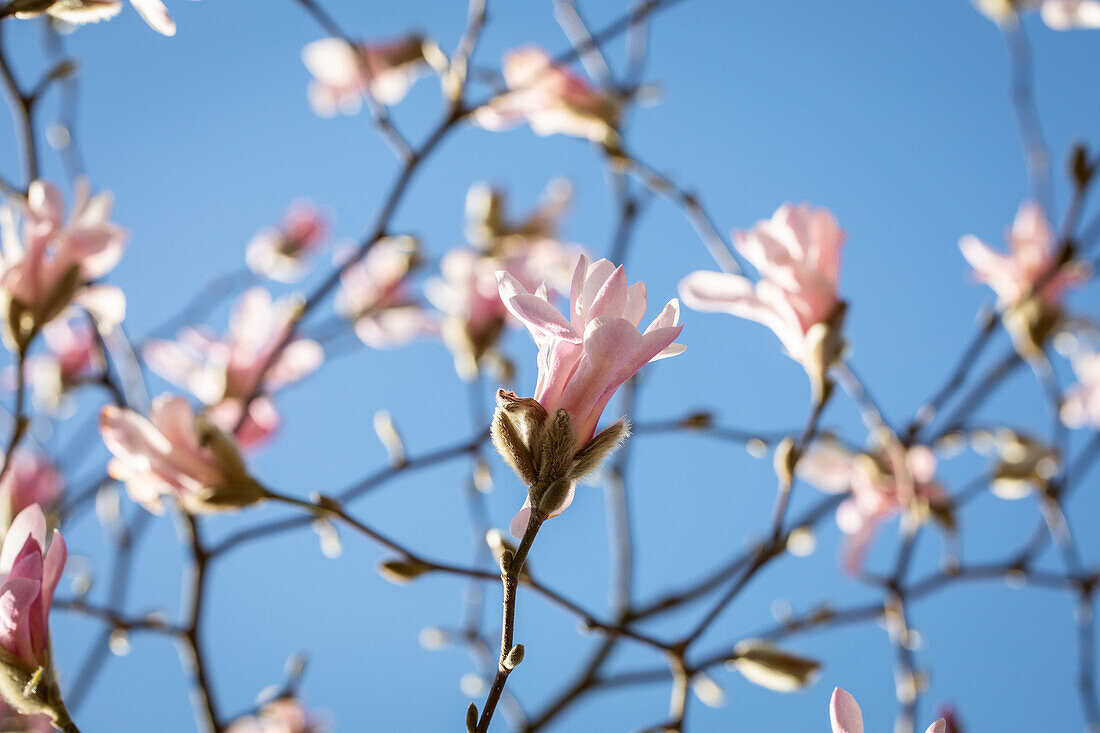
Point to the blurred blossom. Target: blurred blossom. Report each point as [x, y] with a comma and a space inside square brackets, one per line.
[48, 264]
[30, 479]
[224, 372]
[374, 295]
[1081, 405]
[797, 254]
[551, 99]
[582, 362]
[1033, 261]
[385, 70]
[73, 354]
[281, 253]
[175, 453]
[882, 483]
[489, 228]
[846, 717]
[285, 715]
[1060, 15]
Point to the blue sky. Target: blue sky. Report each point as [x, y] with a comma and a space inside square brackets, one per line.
[896, 116]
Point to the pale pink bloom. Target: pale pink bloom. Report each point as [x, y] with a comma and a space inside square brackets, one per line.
[285, 715]
[846, 717]
[29, 574]
[30, 479]
[385, 70]
[583, 360]
[222, 372]
[37, 259]
[73, 354]
[797, 254]
[1081, 405]
[880, 485]
[281, 252]
[374, 295]
[550, 98]
[1032, 254]
[1060, 15]
[170, 453]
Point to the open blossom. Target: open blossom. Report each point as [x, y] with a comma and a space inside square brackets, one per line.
[281, 252]
[30, 479]
[489, 228]
[797, 254]
[374, 295]
[224, 372]
[175, 453]
[1081, 405]
[846, 717]
[881, 484]
[385, 70]
[551, 99]
[285, 715]
[80, 12]
[48, 263]
[550, 440]
[73, 354]
[1060, 15]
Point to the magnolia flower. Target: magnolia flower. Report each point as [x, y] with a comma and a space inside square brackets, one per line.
[1031, 263]
[549, 440]
[224, 372]
[176, 453]
[489, 229]
[29, 574]
[374, 295]
[880, 484]
[49, 263]
[30, 479]
[285, 715]
[797, 253]
[1081, 405]
[73, 354]
[846, 717]
[384, 70]
[550, 99]
[467, 293]
[280, 253]
[80, 12]
[1060, 15]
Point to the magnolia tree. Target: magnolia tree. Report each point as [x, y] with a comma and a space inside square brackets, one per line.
[560, 419]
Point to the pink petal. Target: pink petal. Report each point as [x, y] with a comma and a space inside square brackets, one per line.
[29, 524]
[844, 713]
[156, 15]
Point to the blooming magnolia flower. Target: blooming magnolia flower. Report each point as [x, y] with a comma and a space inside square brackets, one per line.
[489, 229]
[550, 99]
[29, 574]
[385, 70]
[374, 295]
[1031, 262]
[1081, 405]
[549, 440]
[797, 253]
[30, 479]
[285, 715]
[1060, 15]
[846, 717]
[280, 253]
[51, 263]
[881, 484]
[467, 293]
[175, 453]
[224, 372]
[74, 353]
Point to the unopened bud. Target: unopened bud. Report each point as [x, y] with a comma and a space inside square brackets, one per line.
[763, 664]
[514, 657]
[785, 459]
[401, 572]
[471, 718]
[387, 433]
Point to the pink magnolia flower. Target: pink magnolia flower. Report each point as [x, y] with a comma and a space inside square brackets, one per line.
[30, 479]
[374, 295]
[224, 372]
[385, 70]
[175, 453]
[550, 99]
[797, 253]
[29, 574]
[1060, 15]
[73, 354]
[280, 253]
[1081, 405]
[880, 485]
[50, 263]
[583, 360]
[846, 717]
[1032, 255]
[285, 715]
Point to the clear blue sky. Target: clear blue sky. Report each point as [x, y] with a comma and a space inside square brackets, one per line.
[896, 116]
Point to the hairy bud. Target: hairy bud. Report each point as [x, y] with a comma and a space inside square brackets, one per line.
[763, 664]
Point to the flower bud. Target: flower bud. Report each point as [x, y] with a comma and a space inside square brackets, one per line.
[763, 664]
[400, 572]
